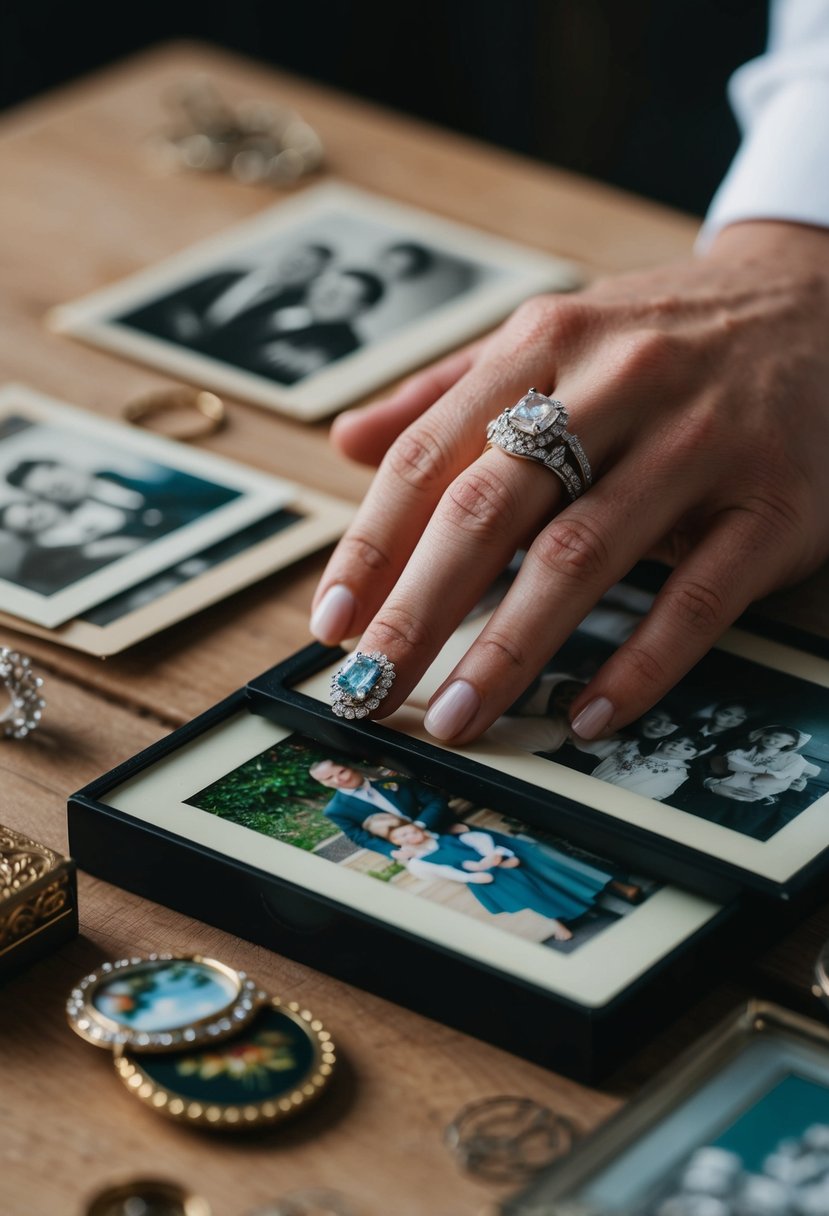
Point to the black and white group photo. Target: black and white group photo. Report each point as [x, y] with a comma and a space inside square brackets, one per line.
[407, 834]
[293, 304]
[70, 506]
[738, 744]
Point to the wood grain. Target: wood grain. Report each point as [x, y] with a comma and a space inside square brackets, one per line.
[79, 208]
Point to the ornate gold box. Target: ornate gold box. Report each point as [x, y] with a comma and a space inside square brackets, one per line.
[38, 900]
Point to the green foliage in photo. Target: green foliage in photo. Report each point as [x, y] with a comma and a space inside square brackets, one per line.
[274, 794]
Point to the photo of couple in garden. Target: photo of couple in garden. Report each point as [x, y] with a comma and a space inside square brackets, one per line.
[413, 836]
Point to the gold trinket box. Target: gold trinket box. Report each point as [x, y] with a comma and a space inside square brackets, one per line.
[38, 900]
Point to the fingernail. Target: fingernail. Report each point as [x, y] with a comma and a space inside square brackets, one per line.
[454, 708]
[593, 718]
[332, 617]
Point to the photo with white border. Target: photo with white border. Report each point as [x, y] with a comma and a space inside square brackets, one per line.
[316, 302]
[636, 937]
[90, 507]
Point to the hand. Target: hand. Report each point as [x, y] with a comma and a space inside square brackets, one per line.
[481, 878]
[699, 392]
[404, 853]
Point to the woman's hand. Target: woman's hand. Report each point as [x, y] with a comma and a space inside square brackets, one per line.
[700, 392]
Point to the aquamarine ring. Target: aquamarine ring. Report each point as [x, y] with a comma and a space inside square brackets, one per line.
[361, 684]
[536, 429]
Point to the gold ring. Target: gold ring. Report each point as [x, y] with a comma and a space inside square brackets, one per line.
[180, 400]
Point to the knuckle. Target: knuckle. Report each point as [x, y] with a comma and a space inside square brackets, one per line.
[651, 354]
[417, 458]
[644, 667]
[696, 607]
[398, 631]
[697, 433]
[549, 321]
[360, 551]
[500, 651]
[479, 502]
[571, 548]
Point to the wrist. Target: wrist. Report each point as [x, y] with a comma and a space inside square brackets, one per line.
[804, 245]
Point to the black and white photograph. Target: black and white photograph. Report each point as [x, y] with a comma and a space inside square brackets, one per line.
[734, 763]
[89, 508]
[318, 301]
[735, 743]
[398, 849]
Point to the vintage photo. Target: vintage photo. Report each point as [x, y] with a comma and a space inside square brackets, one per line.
[413, 837]
[735, 743]
[734, 763]
[331, 293]
[89, 508]
[164, 996]
[739, 1126]
[401, 852]
[774, 1157]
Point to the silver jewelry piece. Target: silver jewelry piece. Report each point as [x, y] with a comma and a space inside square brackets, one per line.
[508, 1139]
[361, 684]
[536, 429]
[26, 704]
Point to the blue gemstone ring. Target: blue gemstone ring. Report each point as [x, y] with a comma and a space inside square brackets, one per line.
[361, 684]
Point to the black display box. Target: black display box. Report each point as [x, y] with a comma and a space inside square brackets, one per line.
[581, 1038]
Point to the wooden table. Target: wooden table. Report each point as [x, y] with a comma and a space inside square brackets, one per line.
[81, 207]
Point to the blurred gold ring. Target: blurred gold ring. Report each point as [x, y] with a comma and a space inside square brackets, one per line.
[208, 406]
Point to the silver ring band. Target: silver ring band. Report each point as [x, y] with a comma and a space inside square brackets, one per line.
[536, 429]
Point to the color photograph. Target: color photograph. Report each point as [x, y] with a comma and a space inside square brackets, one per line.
[161, 997]
[413, 837]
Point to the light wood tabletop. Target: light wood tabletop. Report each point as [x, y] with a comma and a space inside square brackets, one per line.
[81, 206]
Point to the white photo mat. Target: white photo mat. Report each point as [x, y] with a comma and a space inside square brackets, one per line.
[518, 273]
[600, 969]
[259, 494]
[776, 859]
[321, 520]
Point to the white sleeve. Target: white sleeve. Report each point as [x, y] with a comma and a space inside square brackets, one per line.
[484, 845]
[420, 867]
[781, 101]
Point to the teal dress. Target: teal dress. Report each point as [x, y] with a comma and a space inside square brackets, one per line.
[548, 882]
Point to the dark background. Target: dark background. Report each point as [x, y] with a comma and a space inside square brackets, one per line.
[630, 91]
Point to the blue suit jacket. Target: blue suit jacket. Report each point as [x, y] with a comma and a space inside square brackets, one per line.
[411, 800]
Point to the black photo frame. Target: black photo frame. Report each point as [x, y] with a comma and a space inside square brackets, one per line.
[707, 870]
[155, 855]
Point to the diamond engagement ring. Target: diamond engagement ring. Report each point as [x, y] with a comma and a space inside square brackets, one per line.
[26, 705]
[536, 429]
[361, 684]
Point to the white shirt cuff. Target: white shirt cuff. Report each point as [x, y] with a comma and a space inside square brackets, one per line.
[781, 171]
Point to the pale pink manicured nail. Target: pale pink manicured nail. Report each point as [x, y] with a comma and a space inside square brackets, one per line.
[333, 615]
[454, 708]
[593, 718]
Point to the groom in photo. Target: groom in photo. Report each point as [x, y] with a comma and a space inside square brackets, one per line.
[360, 804]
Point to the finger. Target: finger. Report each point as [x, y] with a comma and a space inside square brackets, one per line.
[471, 538]
[365, 434]
[733, 565]
[414, 474]
[569, 566]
